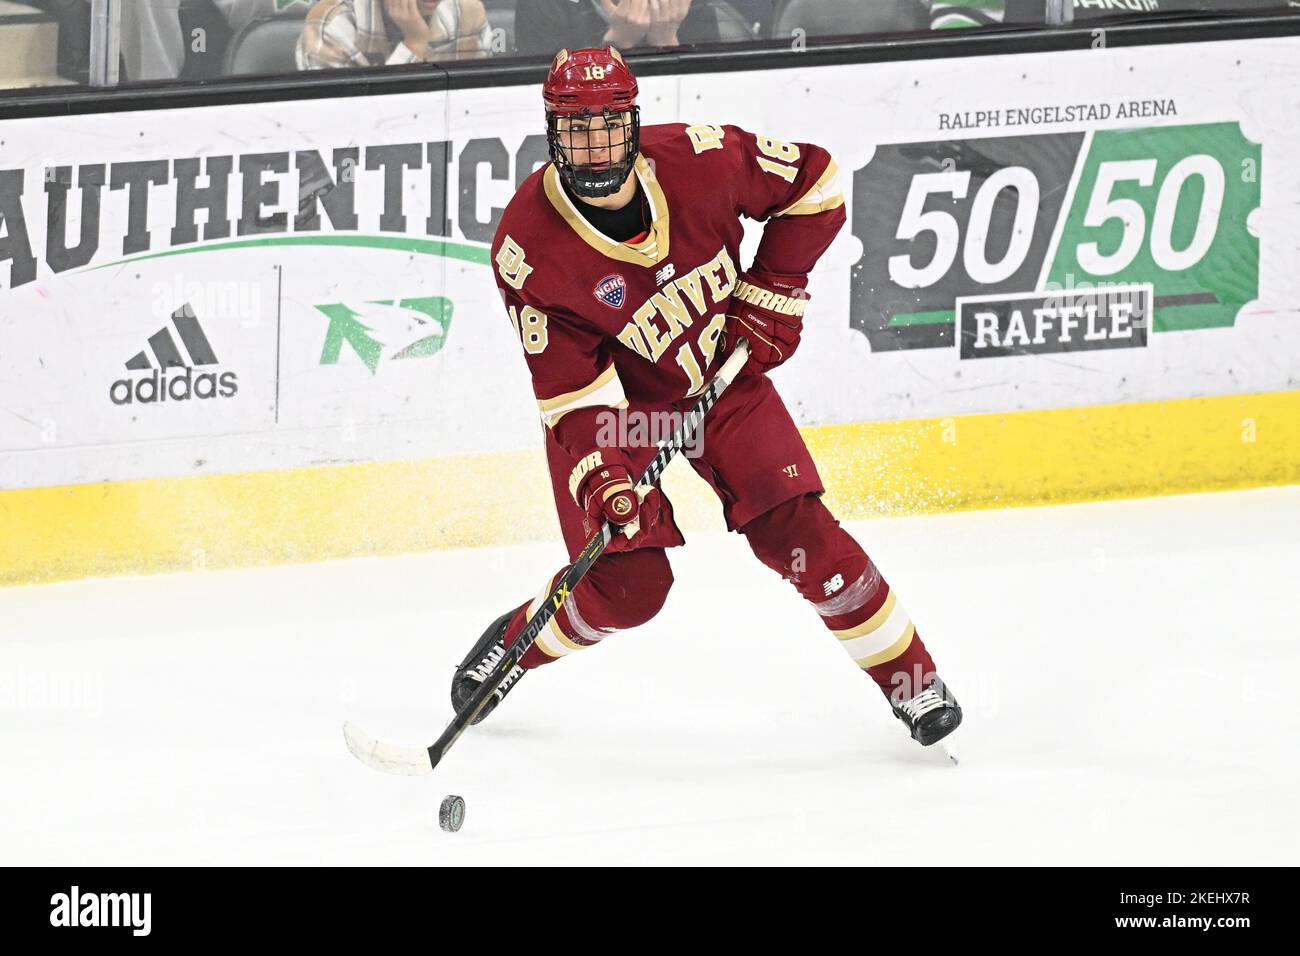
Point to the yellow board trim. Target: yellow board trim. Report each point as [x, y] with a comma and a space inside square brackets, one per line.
[870, 469]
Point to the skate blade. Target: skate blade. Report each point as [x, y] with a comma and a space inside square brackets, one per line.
[945, 747]
[374, 753]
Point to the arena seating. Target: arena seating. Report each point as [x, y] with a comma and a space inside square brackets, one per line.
[732, 25]
[824, 18]
[29, 47]
[501, 16]
[266, 46]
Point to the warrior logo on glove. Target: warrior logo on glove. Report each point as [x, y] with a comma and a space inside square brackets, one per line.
[768, 310]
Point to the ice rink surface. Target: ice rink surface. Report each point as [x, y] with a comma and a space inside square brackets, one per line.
[1127, 670]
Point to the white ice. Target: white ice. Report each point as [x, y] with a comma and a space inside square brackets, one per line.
[1128, 673]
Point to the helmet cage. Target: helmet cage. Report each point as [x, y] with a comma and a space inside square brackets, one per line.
[582, 178]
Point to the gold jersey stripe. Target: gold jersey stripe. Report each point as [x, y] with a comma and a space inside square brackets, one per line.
[606, 389]
[825, 194]
[649, 252]
[550, 421]
[565, 398]
[811, 209]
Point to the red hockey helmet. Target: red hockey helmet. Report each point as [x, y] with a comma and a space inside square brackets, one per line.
[593, 125]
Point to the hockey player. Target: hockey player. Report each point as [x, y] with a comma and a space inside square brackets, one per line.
[618, 265]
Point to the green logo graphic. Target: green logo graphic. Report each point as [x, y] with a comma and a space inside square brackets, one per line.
[286, 4]
[1169, 207]
[386, 329]
[980, 220]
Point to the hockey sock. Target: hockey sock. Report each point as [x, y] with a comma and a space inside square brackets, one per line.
[619, 592]
[803, 542]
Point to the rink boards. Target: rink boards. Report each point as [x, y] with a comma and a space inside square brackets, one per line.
[869, 468]
[267, 332]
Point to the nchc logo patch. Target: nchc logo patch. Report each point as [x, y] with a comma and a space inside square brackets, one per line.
[611, 290]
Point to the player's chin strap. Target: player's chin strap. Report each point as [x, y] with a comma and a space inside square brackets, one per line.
[410, 761]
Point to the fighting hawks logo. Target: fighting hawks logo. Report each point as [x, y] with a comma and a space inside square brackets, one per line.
[611, 290]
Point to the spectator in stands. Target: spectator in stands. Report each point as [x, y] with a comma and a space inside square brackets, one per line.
[342, 33]
[156, 38]
[544, 26]
[757, 13]
[151, 41]
[956, 14]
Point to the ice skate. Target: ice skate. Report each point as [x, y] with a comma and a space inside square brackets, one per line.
[478, 665]
[931, 715]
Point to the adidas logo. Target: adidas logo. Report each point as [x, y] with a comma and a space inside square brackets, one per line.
[159, 386]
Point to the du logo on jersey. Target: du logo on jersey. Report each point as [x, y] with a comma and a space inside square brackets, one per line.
[612, 290]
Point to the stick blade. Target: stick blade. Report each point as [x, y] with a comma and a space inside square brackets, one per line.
[374, 753]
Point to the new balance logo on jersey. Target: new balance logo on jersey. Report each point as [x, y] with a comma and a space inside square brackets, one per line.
[664, 274]
[163, 356]
[833, 585]
[75, 908]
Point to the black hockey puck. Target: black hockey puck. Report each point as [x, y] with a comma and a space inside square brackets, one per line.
[452, 813]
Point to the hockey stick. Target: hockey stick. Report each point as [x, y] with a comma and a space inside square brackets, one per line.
[412, 762]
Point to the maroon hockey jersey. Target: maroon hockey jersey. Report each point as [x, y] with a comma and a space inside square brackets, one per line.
[603, 323]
